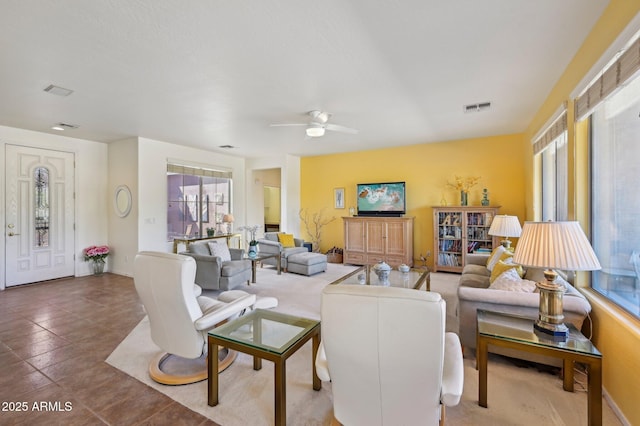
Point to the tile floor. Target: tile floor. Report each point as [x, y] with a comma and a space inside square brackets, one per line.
[54, 338]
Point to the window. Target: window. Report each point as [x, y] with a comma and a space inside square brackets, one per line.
[197, 199]
[615, 199]
[551, 146]
[554, 179]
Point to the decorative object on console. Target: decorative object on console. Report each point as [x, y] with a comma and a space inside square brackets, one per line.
[228, 220]
[485, 197]
[464, 185]
[505, 226]
[97, 255]
[554, 245]
[211, 232]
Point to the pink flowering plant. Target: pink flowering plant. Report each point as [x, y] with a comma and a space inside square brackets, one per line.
[96, 253]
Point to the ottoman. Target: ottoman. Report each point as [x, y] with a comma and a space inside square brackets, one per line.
[307, 263]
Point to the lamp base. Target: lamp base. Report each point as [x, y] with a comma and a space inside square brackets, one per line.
[559, 332]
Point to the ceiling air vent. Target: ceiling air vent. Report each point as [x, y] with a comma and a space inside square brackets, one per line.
[482, 106]
[57, 90]
[226, 146]
[67, 126]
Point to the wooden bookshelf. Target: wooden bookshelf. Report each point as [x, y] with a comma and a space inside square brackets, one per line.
[458, 231]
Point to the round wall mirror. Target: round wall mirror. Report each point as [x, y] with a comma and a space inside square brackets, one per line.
[122, 200]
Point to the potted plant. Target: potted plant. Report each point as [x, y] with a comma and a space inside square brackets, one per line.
[97, 255]
[253, 242]
[211, 232]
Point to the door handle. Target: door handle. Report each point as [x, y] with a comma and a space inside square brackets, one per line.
[11, 234]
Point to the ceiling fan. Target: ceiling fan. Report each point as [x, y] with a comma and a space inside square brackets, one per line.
[318, 124]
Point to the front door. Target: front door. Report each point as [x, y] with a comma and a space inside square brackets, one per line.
[39, 235]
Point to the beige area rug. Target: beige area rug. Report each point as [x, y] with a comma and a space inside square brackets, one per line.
[517, 396]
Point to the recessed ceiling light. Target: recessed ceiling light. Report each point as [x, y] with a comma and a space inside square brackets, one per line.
[57, 90]
[58, 128]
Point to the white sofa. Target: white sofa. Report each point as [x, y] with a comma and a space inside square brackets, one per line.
[474, 293]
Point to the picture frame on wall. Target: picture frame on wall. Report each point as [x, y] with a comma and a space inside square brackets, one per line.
[338, 196]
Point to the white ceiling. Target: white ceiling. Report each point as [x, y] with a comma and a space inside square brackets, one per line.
[206, 73]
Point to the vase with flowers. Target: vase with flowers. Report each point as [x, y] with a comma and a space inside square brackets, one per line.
[253, 242]
[96, 255]
[464, 185]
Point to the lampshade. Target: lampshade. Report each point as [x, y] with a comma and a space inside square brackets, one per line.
[555, 245]
[228, 218]
[314, 132]
[505, 226]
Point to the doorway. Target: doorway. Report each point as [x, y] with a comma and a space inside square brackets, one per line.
[271, 208]
[40, 215]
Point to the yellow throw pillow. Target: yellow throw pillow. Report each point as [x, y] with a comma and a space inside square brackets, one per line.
[506, 257]
[503, 266]
[286, 240]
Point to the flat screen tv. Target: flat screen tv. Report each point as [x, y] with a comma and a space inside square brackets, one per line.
[381, 199]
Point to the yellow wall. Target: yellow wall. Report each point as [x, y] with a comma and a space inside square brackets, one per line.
[426, 169]
[616, 334]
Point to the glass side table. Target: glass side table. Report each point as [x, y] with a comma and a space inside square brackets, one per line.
[515, 332]
[269, 335]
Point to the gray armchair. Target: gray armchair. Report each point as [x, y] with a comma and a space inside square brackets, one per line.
[271, 245]
[213, 273]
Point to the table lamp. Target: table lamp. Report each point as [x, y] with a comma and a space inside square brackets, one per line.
[505, 226]
[554, 245]
[228, 219]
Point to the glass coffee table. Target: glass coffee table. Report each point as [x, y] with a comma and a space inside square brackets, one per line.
[269, 335]
[415, 278]
[516, 332]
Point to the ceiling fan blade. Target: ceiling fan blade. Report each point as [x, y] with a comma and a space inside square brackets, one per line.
[288, 124]
[343, 129]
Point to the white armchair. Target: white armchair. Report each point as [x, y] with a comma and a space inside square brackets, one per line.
[179, 317]
[387, 355]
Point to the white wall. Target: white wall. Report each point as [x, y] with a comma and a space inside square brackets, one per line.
[123, 231]
[289, 166]
[90, 181]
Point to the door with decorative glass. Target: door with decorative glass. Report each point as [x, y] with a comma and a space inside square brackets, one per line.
[39, 206]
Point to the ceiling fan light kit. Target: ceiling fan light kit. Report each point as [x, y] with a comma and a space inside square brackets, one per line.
[318, 124]
[315, 132]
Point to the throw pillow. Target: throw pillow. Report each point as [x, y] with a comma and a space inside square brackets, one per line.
[495, 257]
[286, 240]
[503, 266]
[511, 281]
[220, 250]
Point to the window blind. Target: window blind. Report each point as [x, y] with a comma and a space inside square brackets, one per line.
[197, 171]
[555, 129]
[611, 79]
